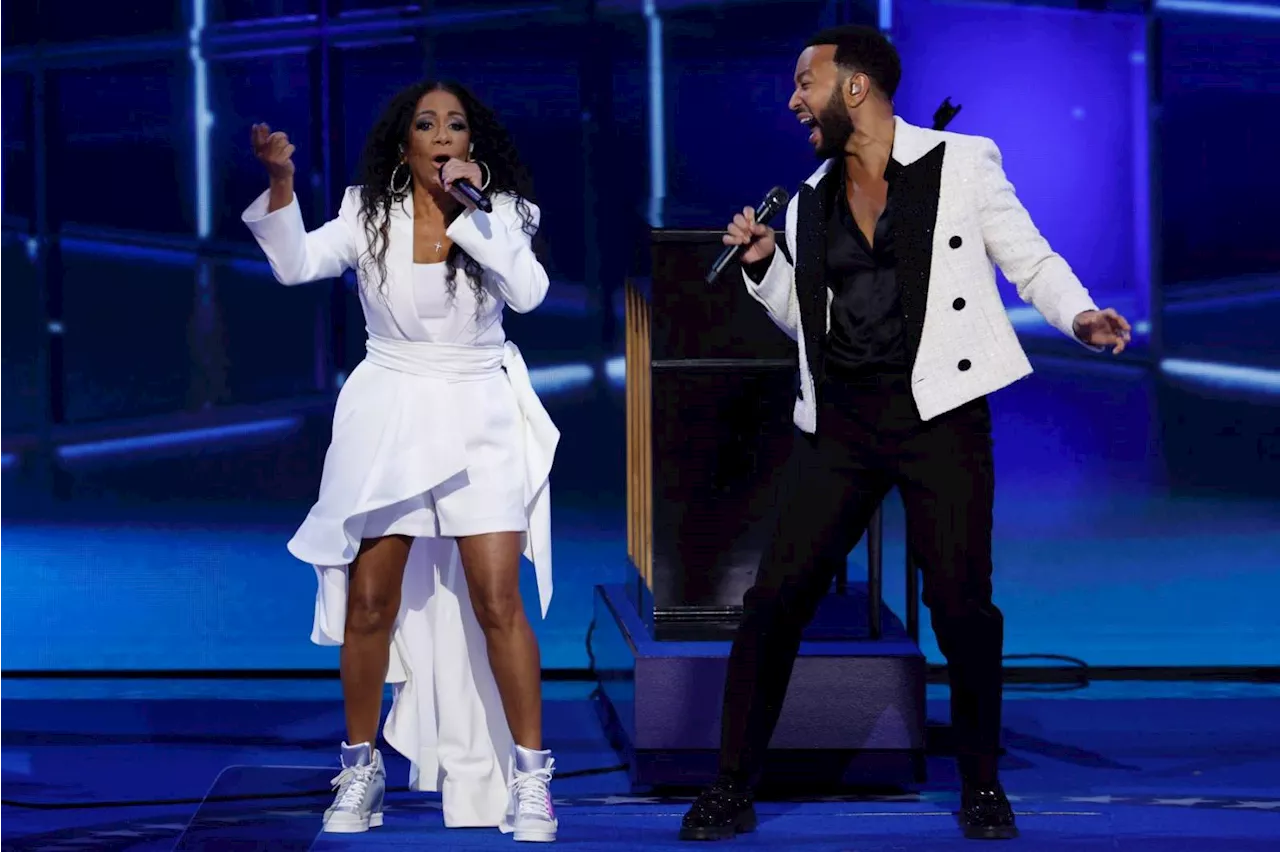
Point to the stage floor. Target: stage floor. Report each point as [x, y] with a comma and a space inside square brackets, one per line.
[131, 765]
[1137, 520]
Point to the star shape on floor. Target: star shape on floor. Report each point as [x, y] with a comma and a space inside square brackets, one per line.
[1259, 805]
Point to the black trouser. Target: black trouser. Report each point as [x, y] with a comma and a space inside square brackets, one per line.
[869, 439]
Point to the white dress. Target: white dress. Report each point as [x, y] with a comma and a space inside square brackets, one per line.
[437, 433]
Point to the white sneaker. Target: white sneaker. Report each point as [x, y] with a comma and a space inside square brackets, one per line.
[535, 815]
[361, 786]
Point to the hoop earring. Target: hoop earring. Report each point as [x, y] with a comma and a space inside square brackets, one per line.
[402, 189]
[487, 175]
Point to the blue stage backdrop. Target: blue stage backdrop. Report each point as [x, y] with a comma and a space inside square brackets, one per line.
[1064, 94]
[1220, 72]
[166, 404]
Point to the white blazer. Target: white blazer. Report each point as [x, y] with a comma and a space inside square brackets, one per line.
[511, 271]
[496, 240]
[967, 347]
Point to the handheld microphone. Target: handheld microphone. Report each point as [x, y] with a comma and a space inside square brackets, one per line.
[773, 202]
[465, 192]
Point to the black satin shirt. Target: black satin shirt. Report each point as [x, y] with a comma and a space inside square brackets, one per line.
[866, 335]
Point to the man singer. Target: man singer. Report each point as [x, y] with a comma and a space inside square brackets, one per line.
[885, 280]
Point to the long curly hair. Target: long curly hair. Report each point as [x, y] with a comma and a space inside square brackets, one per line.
[383, 153]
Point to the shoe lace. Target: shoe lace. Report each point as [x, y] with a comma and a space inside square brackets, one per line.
[533, 791]
[720, 796]
[353, 783]
[989, 804]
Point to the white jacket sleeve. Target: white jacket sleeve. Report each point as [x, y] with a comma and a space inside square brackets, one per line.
[298, 256]
[1043, 278]
[498, 242]
[777, 289]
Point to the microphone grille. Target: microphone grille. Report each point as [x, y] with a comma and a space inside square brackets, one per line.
[778, 196]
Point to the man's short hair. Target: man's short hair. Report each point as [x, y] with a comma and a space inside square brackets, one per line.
[864, 50]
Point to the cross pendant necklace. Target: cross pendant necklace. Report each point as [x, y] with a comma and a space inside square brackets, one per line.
[438, 247]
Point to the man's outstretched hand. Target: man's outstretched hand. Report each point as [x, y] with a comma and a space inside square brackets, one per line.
[1103, 328]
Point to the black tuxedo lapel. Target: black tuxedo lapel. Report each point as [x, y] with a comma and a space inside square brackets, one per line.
[811, 265]
[915, 212]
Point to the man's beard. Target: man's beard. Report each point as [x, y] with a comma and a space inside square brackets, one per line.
[835, 127]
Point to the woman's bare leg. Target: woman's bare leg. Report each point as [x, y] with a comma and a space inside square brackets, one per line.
[492, 565]
[373, 602]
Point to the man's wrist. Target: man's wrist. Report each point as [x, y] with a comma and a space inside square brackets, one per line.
[756, 269]
[1076, 325]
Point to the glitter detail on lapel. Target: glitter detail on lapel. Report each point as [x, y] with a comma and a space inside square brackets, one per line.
[913, 224]
[811, 286]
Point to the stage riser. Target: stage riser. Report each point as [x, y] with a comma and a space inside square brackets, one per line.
[832, 703]
[855, 711]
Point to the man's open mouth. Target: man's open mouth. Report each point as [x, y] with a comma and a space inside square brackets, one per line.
[811, 123]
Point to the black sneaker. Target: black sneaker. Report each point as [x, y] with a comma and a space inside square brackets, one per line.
[722, 812]
[985, 813]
